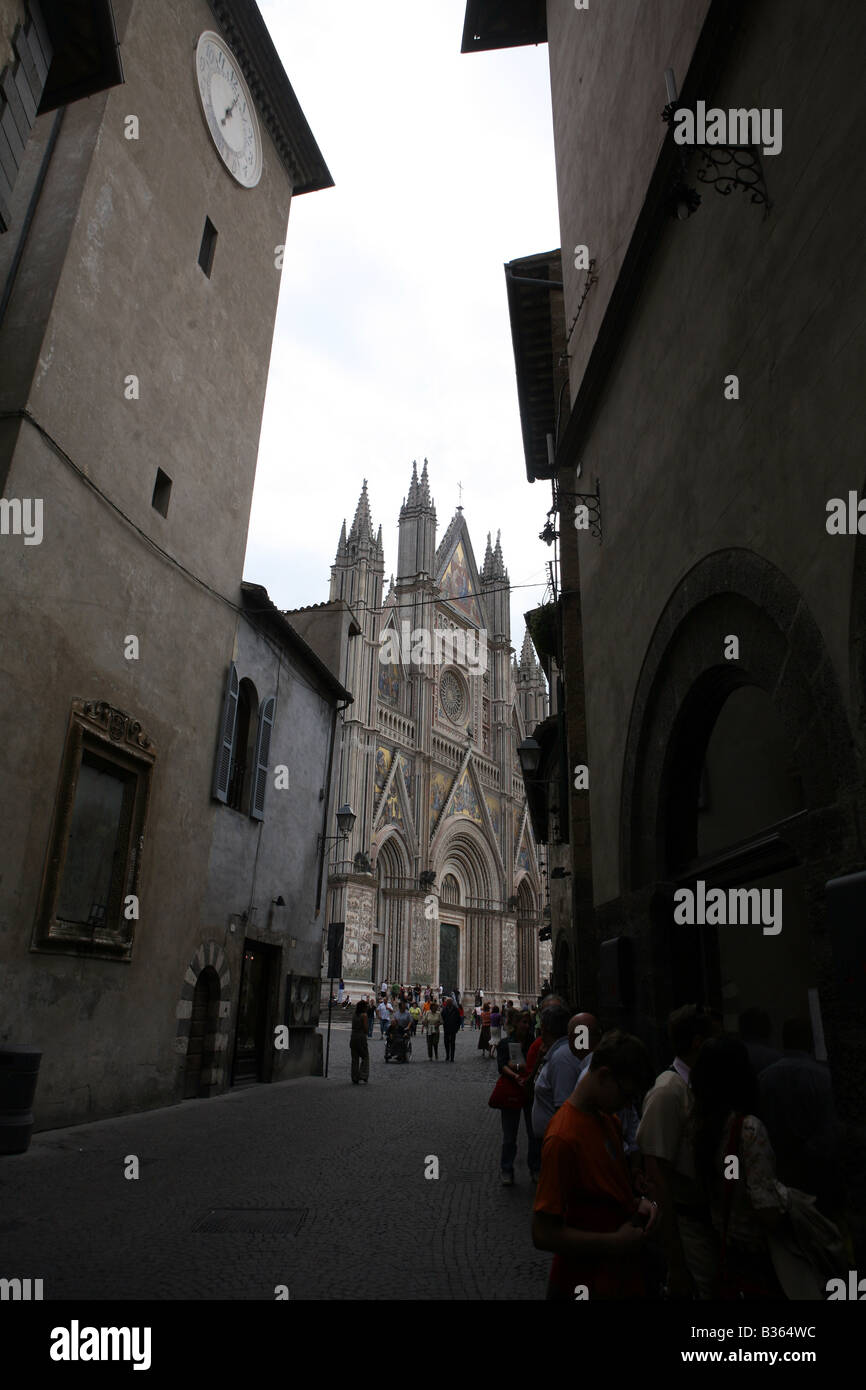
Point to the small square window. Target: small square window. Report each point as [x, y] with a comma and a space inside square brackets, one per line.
[208, 247]
[161, 492]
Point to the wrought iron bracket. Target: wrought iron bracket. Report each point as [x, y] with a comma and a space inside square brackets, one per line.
[591, 501]
[724, 167]
[727, 167]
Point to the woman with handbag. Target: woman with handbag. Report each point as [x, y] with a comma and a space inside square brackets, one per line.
[735, 1162]
[430, 1024]
[512, 1097]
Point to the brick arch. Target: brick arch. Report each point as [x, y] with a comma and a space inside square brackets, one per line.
[208, 954]
[685, 681]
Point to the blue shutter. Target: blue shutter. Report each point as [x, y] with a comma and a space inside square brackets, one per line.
[223, 768]
[263, 753]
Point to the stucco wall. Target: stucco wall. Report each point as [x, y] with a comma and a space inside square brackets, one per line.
[607, 67]
[110, 285]
[777, 301]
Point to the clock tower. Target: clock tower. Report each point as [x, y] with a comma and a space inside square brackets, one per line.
[140, 275]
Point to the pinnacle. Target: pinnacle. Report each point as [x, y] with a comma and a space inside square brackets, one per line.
[362, 526]
[424, 490]
[488, 559]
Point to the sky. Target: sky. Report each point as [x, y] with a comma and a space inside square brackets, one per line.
[392, 339]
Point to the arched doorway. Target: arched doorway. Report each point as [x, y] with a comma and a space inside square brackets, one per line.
[392, 923]
[527, 939]
[474, 928]
[204, 1027]
[738, 774]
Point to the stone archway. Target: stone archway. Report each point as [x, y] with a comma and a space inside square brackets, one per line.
[685, 681]
[683, 697]
[460, 852]
[210, 1006]
[204, 1028]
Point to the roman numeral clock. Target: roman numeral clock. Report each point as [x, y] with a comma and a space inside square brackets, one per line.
[228, 109]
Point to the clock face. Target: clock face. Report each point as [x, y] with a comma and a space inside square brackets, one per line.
[228, 110]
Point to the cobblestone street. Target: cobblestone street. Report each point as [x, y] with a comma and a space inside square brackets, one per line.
[341, 1166]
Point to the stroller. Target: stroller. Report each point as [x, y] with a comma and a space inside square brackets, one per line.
[398, 1044]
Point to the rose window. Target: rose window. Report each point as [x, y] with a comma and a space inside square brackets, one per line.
[452, 697]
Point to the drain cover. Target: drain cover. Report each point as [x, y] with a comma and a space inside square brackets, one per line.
[268, 1221]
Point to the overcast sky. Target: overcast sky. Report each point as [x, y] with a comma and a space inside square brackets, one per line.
[392, 339]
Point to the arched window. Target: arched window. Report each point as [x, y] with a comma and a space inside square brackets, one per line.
[450, 891]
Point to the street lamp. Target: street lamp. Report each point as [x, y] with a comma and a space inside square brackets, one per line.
[529, 754]
[345, 820]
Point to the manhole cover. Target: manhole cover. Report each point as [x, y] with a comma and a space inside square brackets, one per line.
[269, 1221]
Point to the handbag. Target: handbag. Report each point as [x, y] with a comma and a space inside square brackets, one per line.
[807, 1250]
[507, 1094]
[529, 1083]
[734, 1282]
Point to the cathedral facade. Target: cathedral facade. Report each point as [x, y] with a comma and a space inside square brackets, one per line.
[439, 880]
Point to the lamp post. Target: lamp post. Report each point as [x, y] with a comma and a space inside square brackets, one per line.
[345, 820]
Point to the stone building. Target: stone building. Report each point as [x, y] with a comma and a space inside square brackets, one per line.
[690, 372]
[439, 880]
[147, 697]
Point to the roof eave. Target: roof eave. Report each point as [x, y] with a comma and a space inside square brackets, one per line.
[279, 108]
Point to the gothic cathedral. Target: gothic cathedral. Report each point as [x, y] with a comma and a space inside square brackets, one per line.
[440, 880]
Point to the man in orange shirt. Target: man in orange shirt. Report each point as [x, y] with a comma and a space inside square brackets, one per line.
[585, 1211]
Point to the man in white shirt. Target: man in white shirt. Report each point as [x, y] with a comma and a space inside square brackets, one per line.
[384, 1011]
[663, 1139]
[559, 1074]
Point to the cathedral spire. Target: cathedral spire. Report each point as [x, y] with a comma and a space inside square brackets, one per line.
[488, 559]
[527, 653]
[417, 542]
[362, 526]
[341, 543]
[498, 570]
[412, 499]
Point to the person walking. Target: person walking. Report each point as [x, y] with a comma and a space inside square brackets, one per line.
[384, 1012]
[358, 1045]
[371, 1015]
[431, 1023]
[511, 1055]
[415, 1014]
[462, 1014]
[483, 1043]
[450, 1025]
[495, 1027]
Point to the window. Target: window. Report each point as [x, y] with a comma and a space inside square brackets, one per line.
[243, 750]
[208, 247]
[161, 492]
[242, 763]
[94, 859]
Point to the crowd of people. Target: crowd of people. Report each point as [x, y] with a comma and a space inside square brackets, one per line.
[718, 1178]
[401, 1011]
